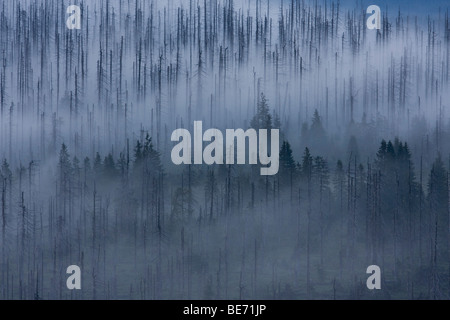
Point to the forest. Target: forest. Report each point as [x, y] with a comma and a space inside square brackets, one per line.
[86, 175]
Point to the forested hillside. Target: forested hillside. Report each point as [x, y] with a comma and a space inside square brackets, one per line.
[86, 118]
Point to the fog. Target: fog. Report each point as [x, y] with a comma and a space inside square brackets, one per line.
[86, 118]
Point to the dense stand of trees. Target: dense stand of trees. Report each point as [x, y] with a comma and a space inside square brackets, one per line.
[188, 233]
[86, 176]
